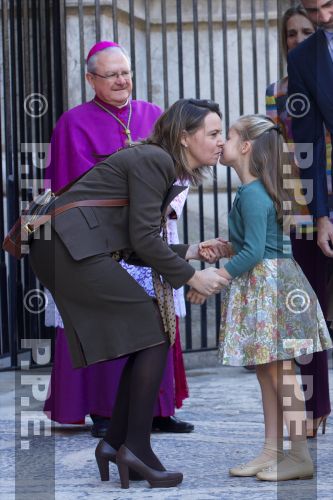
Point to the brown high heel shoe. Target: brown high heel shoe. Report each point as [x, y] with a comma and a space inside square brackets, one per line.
[104, 454]
[316, 423]
[156, 478]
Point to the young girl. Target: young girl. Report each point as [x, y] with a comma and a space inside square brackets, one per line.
[270, 314]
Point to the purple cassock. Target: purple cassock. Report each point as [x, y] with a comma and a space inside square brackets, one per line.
[81, 136]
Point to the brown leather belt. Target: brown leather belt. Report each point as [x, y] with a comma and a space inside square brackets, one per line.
[30, 228]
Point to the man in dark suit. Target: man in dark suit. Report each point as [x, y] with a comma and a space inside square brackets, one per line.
[310, 103]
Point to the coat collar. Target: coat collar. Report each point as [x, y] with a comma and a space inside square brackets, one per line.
[171, 194]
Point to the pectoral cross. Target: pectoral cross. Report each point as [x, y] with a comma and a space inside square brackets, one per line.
[129, 138]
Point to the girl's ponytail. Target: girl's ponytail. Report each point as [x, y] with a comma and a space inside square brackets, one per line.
[266, 160]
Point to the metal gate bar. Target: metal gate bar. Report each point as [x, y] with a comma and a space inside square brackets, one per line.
[35, 61]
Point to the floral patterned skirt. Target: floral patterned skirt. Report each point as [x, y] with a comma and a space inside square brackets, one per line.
[270, 313]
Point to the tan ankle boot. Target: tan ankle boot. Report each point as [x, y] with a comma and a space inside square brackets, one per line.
[297, 464]
[271, 454]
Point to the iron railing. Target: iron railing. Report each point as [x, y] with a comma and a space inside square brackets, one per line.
[224, 50]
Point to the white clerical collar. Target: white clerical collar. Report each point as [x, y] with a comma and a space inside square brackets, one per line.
[123, 105]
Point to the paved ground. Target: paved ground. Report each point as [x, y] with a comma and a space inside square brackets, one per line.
[225, 408]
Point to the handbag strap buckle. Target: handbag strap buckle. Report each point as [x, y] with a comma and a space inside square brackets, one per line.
[29, 228]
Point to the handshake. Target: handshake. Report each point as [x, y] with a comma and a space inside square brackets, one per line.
[213, 250]
[211, 280]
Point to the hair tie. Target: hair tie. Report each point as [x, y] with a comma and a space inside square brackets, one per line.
[277, 128]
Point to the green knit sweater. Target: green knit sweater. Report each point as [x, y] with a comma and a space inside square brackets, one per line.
[253, 230]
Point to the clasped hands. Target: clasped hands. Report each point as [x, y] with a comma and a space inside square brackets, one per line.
[211, 280]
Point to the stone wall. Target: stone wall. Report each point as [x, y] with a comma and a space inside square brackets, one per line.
[188, 48]
[231, 107]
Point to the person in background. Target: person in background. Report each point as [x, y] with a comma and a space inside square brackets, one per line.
[310, 72]
[82, 136]
[297, 27]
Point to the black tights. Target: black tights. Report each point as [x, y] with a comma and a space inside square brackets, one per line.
[132, 415]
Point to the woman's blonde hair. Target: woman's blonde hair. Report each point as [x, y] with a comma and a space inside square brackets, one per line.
[297, 10]
[266, 160]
